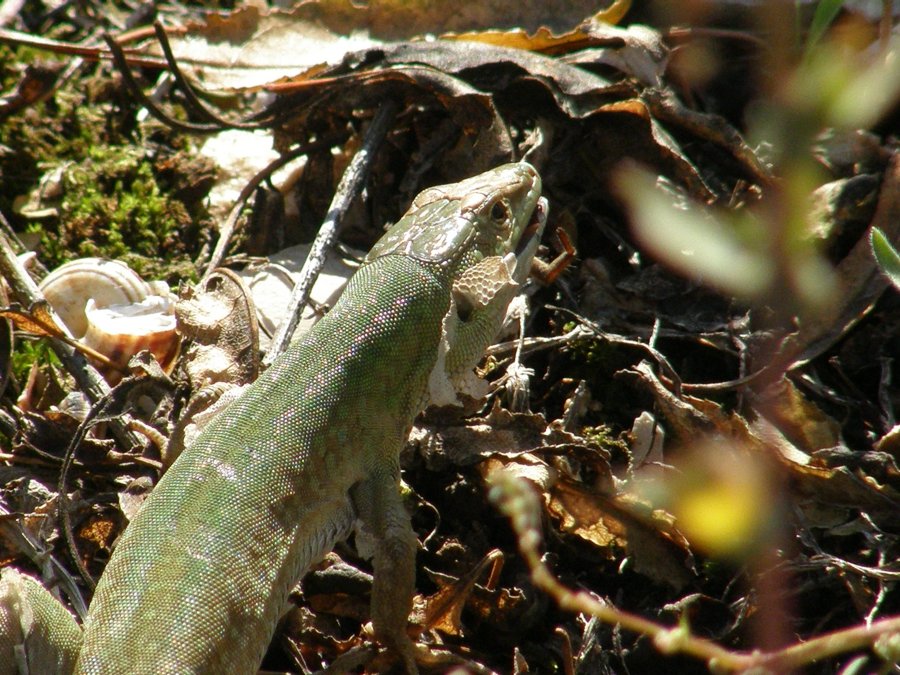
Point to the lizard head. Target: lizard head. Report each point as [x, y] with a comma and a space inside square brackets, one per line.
[479, 237]
[496, 213]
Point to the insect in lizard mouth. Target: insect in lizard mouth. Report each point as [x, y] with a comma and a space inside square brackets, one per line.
[535, 225]
[534, 228]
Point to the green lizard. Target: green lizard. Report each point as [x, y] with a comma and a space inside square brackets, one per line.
[310, 450]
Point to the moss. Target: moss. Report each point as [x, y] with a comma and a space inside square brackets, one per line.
[113, 206]
[127, 191]
[594, 357]
[604, 436]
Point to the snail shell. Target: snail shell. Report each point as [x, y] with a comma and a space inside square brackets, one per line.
[107, 306]
[107, 282]
[121, 331]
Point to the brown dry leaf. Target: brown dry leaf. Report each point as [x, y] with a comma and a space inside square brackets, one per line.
[503, 609]
[400, 19]
[890, 442]
[486, 89]
[607, 522]
[577, 92]
[250, 47]
[96, 534]
[580, 512]
[36, 320]
[543, 39]
[37, 505]
[447, 439]
[485, 139]
[219, 320]
[644, 139]
[653, 543]
[657, 549]
[132, 498]
[799, 419]
[526, 466]
[636, 51]
[544, 454]
[691, 420]
[443, 610]
[317, 637]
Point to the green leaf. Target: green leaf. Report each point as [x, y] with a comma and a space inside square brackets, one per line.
[886, 255]
[826, 11]
[692, 239]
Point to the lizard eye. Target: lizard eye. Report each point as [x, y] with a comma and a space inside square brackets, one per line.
[499, 212]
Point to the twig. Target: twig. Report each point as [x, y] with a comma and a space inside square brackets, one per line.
[520, 504]
[121, 62]
[110, 407]
[190, 97]
[655, 354]
[14, 37]
[347, 190]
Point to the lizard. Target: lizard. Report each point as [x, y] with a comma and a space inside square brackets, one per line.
[309, 452]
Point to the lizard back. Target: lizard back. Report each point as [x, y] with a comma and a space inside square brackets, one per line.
[263, 492]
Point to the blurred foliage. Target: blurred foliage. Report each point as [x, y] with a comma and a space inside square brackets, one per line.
[764, 252]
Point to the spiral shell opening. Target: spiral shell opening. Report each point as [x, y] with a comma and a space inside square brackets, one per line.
[109, 307]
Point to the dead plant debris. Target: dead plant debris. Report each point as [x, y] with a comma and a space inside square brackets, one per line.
[691, 455]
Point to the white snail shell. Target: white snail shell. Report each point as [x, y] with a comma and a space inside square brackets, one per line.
[108, 306]
[107, 282]
[120, 331]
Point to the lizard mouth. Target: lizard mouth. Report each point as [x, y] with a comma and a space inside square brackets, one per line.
[534, 228]
[522, 256]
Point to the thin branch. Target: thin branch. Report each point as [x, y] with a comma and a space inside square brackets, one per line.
[350, 186]
[655, 354]
[14, 37]
[191, 98]
[520, 504]
[121, 62]
[110, 408]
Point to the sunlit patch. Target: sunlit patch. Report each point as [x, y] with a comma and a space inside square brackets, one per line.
[225, 470]
[723, 497]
